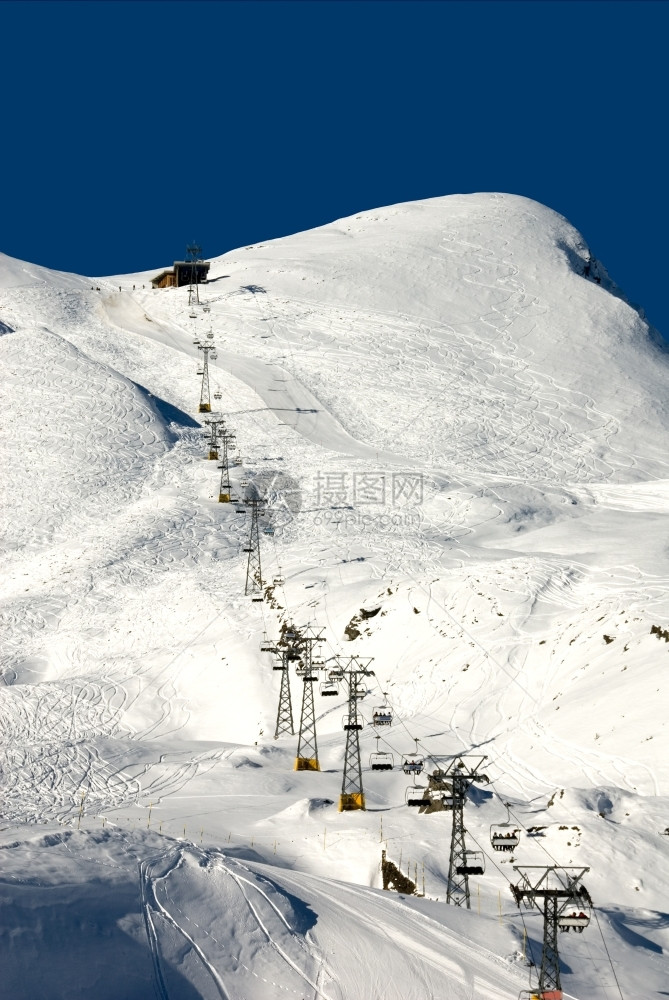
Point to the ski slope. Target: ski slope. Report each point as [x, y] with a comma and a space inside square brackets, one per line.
[462, 436]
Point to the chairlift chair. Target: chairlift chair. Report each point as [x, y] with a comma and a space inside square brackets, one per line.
[269, 530]
[214, 356]
[351, 722]
[218, 395]
[210, 336]
[504, 836]
[329, 689]
[278, 581]
[413, 765]
[192, 314]
[474, 864]
[256, 598]
[416, 795]
[381, 760]
[382, 716]
[336, 674]
[573, 921]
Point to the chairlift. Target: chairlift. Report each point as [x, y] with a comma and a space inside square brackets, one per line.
[197, 341]
[243, 482]
[504, 836]
[210, 336]
[382, 716]
[329, 689]
[206, 307]
[218, 395]
[473, 864]
[573, 921]
[381, 760]
[214, 356]
[192, 314]
[278, 581]
[350, 722]
[240, 510]
[336, 674]
[200, 371]
[257, 598]
[269, 530]
[413, 765]
[416, 795]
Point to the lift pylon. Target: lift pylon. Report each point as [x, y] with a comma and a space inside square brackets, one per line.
[207, 349]
[283, 653]
[556, 891]
[461, 773]
[352, 795]
[226, 440]
[254, 581]
[303, 641]
[193, 255]
[216, 426]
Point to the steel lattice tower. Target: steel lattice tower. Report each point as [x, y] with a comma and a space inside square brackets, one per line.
[284, 715]
[254, 581]
[558, 888]
[461, 775]
[352, 794]
[307, 746]
[193, 254]
[205, 393]
[226, 439]
[214, 424]
[285, 655]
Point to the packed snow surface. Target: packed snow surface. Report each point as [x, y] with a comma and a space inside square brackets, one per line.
[461, 429]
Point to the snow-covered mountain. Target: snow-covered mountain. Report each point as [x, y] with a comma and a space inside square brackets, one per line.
[462, 430]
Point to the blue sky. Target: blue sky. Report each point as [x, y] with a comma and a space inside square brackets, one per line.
[131, 128]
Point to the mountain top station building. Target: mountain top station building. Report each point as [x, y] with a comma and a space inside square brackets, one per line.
[181, 274]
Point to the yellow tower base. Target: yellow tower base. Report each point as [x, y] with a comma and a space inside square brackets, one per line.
[213, 454]
[306, 764]
[224, 498]
[204, 408]
[354, 801]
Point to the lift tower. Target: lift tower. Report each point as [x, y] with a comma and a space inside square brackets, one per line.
[286, 652]
[254, 581]
[307, 747]
[216, 426]
[208, 348]
[352, 794]
[193, 256]
[559, 890]
[462, 863]
[226, 440]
